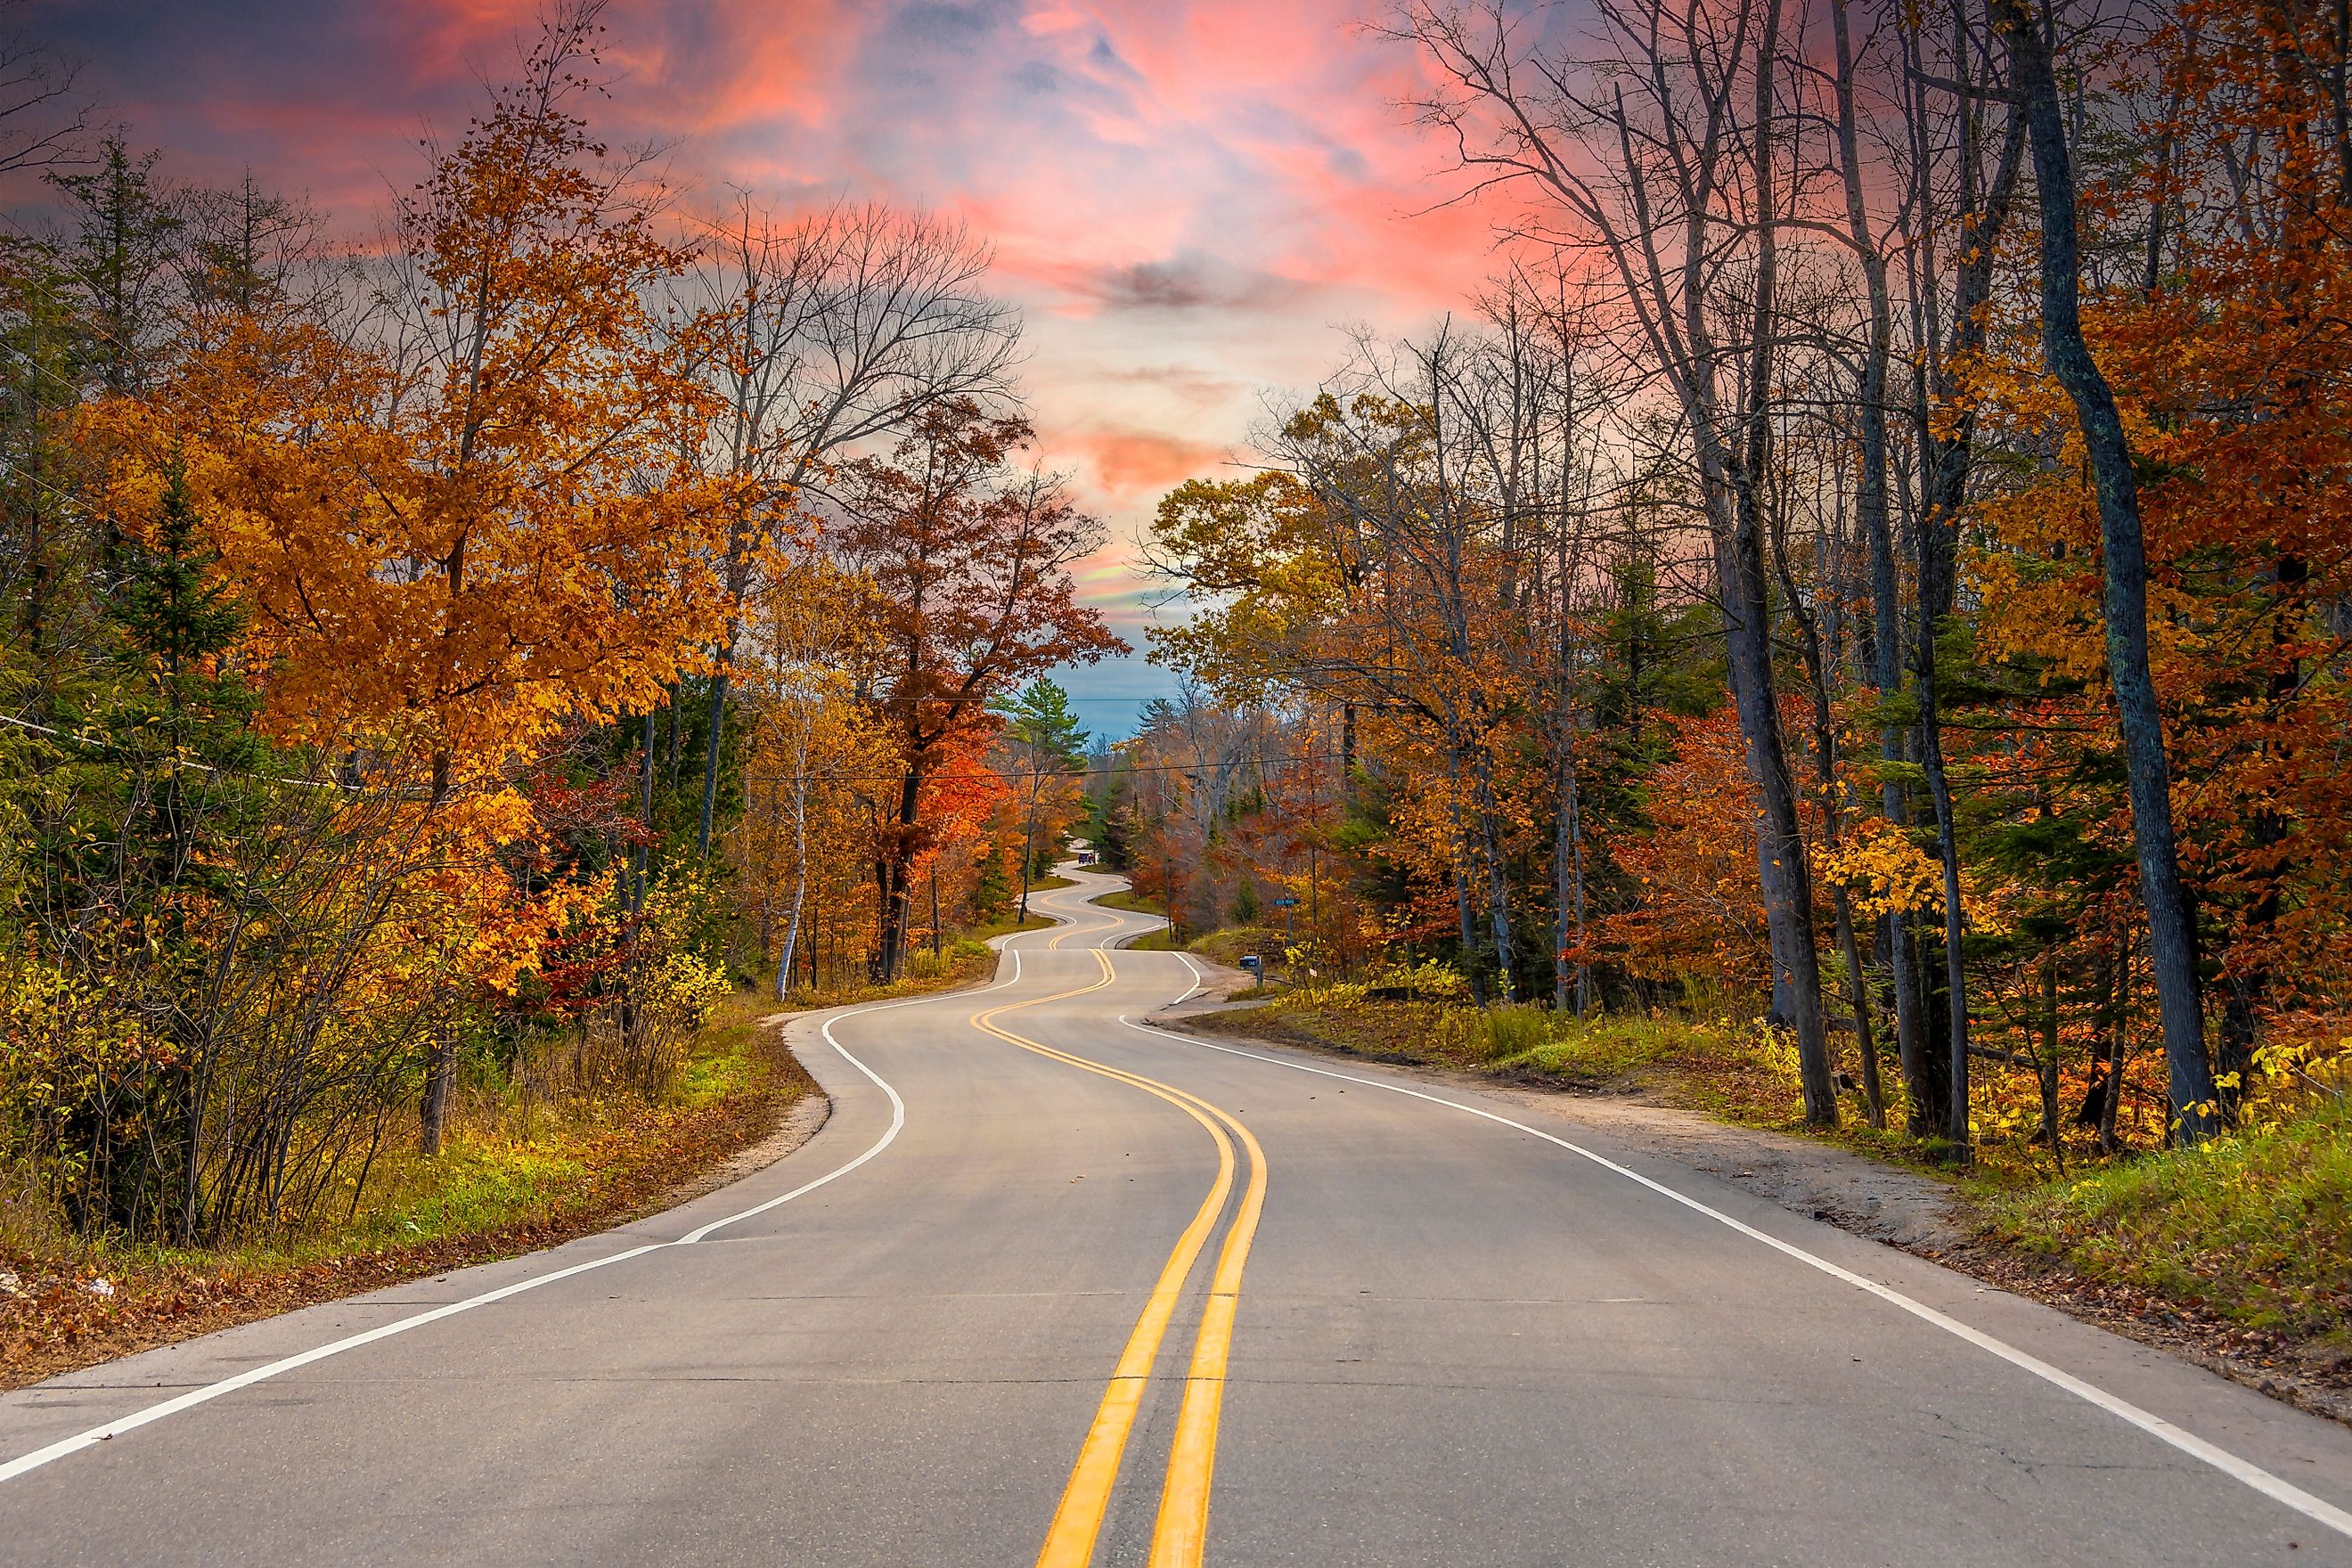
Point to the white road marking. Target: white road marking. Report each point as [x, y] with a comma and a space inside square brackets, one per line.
[196, 1396]
[2273, 1487]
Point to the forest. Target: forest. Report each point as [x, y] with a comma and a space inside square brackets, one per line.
[1869, 572]
[444, 665]
[1722, 933]
[1873, 563]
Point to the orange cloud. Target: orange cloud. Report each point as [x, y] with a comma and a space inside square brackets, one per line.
[1136, 465]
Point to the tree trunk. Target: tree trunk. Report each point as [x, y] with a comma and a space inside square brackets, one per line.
[642, 854]
[1786, 882]
[1461, 878]
[1498, 890]
[434, 1114]
[895, 892]
[1870, 506]
[719, 684]
[1947, 853]
[2172, 936]
[1563, 832]
[799, 867]
[2119, 1039]
[1865, 1039]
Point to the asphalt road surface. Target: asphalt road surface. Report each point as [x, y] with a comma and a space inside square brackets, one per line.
[1052, 1287]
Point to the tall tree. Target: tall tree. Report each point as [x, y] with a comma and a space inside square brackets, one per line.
[828, 332]
[970, 554]
[1665, 159]
[2171, 922]
[1051, 746]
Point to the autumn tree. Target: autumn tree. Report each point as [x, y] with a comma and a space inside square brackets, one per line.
[969, 553]
[828, 331]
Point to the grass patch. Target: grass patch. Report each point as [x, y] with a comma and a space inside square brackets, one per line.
[2256, 1227]
[1226, 947]
[1133, 903]
[1716, 1067]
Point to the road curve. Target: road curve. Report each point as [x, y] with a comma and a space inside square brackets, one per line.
[1053, 1287]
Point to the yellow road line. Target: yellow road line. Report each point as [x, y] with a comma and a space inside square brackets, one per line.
[1180, 1535]
[1085, 1499]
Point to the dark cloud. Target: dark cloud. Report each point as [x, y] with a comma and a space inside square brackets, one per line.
[1036, 77]
[1191, 282]
[949, 29]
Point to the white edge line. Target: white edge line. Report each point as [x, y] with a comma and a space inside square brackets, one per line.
[64, 1447]
[2261, 1480]
[1197, 978]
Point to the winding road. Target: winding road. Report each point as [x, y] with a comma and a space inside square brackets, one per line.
[1054, 1286]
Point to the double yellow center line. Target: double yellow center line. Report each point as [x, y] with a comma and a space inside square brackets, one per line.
[1179, 1536]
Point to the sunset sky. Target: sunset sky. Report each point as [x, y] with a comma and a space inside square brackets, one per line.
[1188, 201]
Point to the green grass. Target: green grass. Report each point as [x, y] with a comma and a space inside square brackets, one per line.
[2256, 1227]
[1602, 1050]
[478, 1187]
[1133, 903]
[1004, 926]
[1710, 1066]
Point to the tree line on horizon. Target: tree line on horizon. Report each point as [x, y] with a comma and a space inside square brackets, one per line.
[1879, 547]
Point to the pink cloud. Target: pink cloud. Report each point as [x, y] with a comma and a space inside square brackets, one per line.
[1137, 465]
[1186, 199]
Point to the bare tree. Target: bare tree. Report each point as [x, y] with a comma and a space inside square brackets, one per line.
[45, 114]
[837, 330]
[1658, 147]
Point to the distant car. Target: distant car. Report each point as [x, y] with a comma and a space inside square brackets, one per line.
[1086, 857]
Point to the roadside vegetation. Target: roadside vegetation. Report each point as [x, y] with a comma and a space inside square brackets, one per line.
[2257, 1227]
[529, 1158]
[532, 1156]
[438, 719]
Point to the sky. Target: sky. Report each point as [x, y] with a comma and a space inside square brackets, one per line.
[1190, 203]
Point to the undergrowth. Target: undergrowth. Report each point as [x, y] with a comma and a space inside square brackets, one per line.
[2256, 1225]
[520, 1167]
